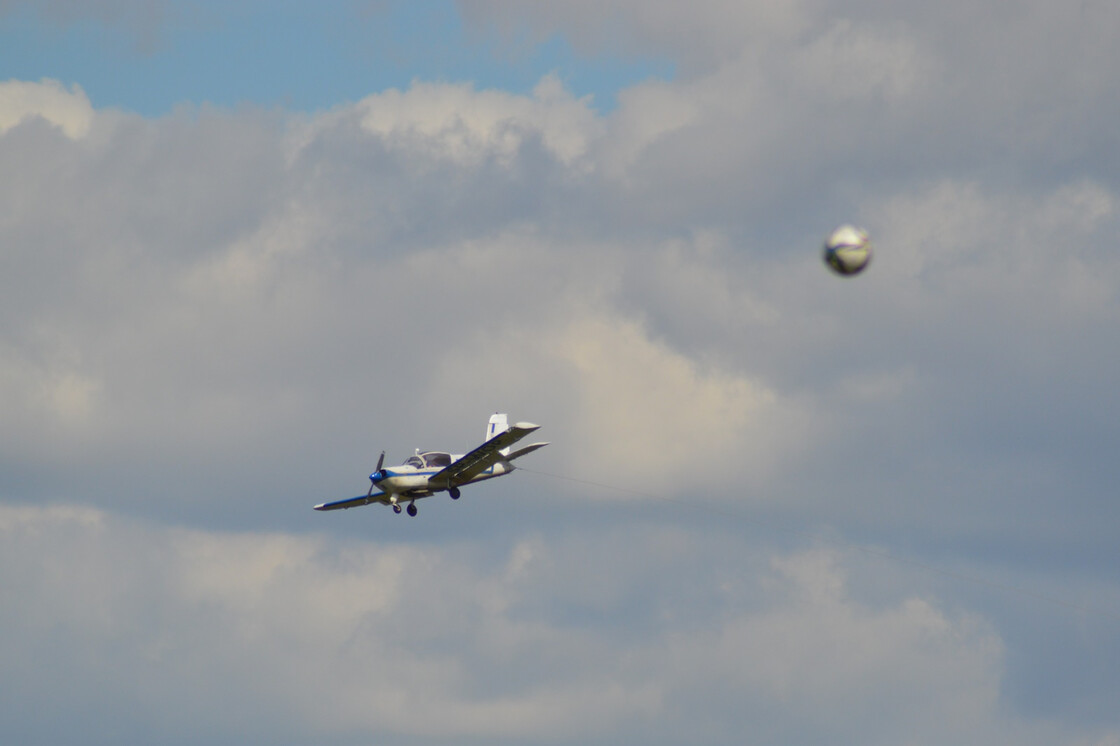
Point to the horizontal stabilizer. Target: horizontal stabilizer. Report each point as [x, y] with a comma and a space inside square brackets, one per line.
[522, 451]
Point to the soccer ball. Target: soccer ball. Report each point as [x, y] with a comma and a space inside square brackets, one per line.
[847, 250]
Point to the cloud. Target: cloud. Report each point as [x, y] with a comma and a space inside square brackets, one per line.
[466, 251]
[214, 319]
[360, 639]
[852, 90]
[457, 122]
[70, 111]
[643, 415]
[819, 651]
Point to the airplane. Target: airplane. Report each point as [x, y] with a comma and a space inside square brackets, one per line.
[425, 474]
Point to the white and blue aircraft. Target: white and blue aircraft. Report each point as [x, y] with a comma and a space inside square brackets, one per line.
[425, 474]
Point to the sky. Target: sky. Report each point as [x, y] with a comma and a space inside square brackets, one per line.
[246, 247]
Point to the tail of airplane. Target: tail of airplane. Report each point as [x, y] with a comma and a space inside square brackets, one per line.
[498, 424]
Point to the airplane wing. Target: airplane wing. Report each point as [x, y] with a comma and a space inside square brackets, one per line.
[352, 502]
[480, 459]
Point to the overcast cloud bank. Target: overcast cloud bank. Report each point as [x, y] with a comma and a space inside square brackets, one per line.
[217, 318]
[276, 636]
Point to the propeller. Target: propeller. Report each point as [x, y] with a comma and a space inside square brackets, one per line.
[376, 476]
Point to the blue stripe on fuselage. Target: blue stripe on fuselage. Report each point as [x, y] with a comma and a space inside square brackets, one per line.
[389, 473]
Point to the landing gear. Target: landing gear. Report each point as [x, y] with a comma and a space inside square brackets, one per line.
[397, 508]
[412, 509]
[454, 492]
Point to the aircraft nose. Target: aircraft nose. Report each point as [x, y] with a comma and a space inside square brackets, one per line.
[375, 479]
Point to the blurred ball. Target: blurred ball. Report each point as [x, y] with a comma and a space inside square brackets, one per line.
[847, 250]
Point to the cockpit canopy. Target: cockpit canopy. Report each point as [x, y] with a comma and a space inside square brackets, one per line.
[430, 459]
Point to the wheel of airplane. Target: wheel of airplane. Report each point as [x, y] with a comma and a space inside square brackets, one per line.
[412, 509]
[454, 493]
[396, 508]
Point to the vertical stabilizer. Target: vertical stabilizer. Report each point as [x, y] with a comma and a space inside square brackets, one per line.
[498, 425]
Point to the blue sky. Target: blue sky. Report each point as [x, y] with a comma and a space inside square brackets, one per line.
[291, 54]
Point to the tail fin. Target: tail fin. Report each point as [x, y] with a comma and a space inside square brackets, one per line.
[498, 425]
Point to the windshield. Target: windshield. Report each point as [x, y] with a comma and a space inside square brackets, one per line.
[437, 458]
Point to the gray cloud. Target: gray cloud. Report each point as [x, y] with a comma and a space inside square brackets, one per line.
[549, 635]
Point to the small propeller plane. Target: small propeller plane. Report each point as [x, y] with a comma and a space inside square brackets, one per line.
[425, 474]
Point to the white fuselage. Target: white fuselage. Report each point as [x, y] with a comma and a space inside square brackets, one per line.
[409, 480]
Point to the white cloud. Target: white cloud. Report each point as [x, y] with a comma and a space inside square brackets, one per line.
[625, 407]
[456, 122]
[647, 113]
[648, 417]
[70, 110]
